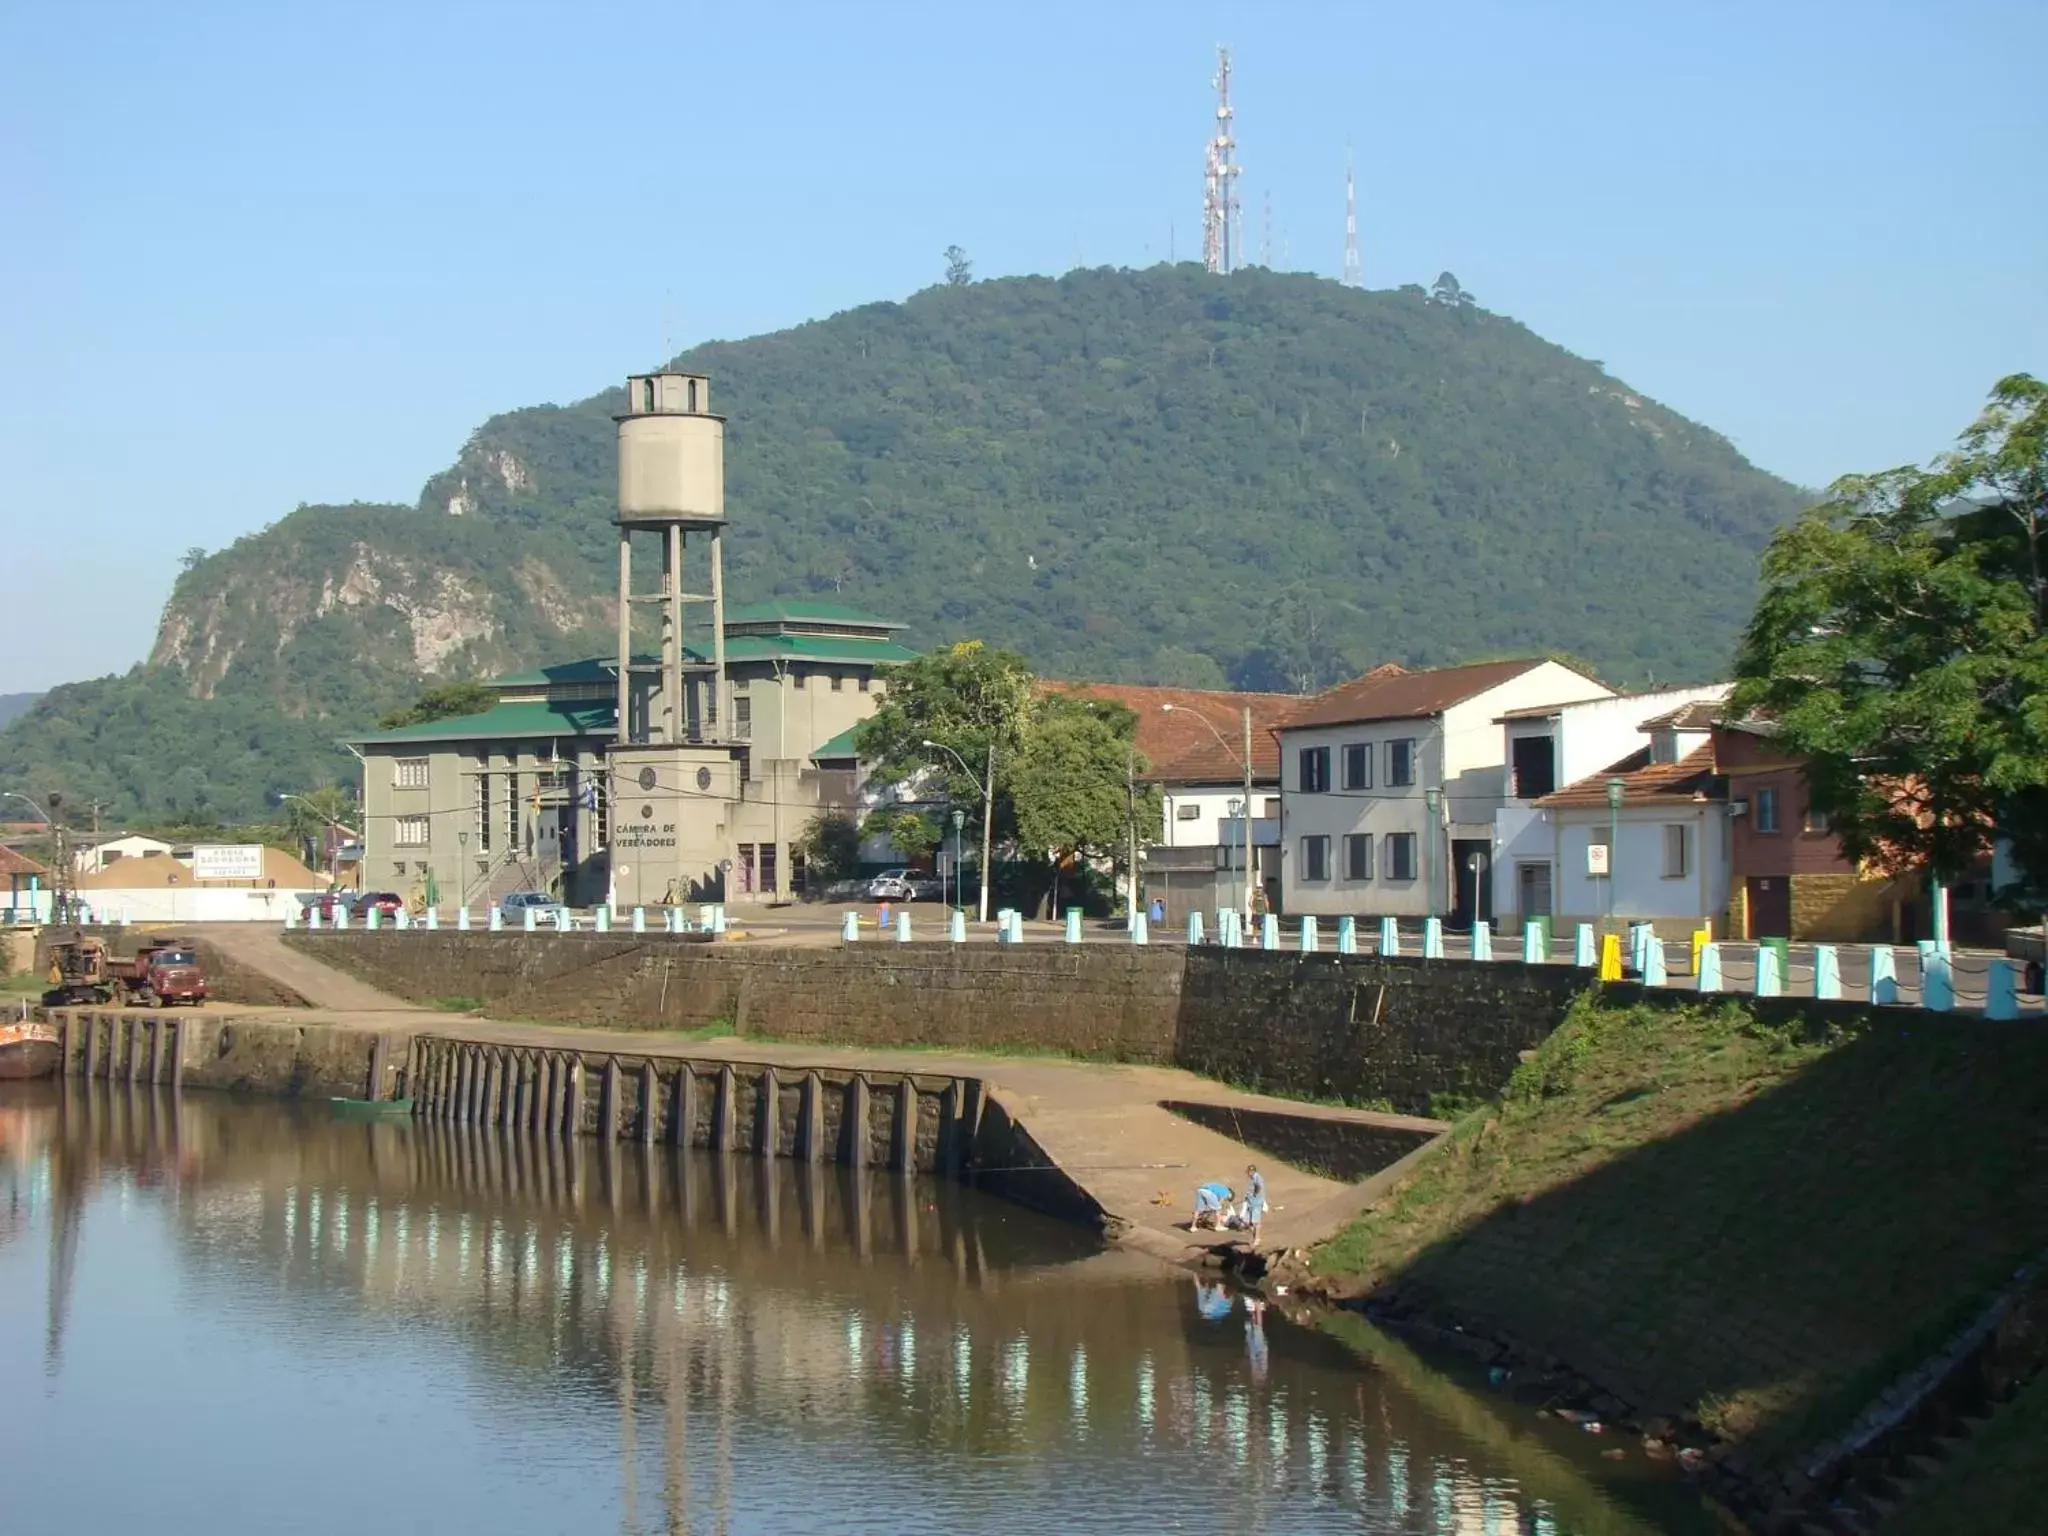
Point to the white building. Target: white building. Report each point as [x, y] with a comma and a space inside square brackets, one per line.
[1660, 855]
[1390, 784]
[1549, 747]
[132, 845]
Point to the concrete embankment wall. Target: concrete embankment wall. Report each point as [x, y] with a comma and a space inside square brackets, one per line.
[242, 1053]
[1360, 1028]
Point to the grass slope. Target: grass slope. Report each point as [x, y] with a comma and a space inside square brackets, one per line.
[1712, 1217]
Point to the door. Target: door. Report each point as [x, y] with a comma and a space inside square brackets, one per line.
[1471, 881]
[1770, 907]
[1532, 890]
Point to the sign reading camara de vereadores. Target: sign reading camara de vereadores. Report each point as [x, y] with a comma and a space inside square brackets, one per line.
[227, 861]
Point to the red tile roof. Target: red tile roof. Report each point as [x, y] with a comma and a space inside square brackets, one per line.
[1691, 777]
[1700, 715]
[1392, 694]
[1179, 747]
[12, 863]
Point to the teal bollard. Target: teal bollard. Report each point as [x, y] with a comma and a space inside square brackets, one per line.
[1653, 964]
[956, 926]
[312, 917]
[1233, 928]
[341, 917]
[704, 917]
[405, 921]
[1827, 971]
[528, 921]
[1884, 975]
[604, 919]
[1311, 939]
[462, 919]
[2001, 991]
[372, 918]
[433, 919]
[1073, 925]
[496, 921]
[1269, 931]
[1770, 980]
[1138, 934]
[1710, 969]
[849, 930]
[1937, 983]
[902, 927]
[1532, 944]
[1482, 941]
[1194, 929]
[1432, 938]
[1584, 954]
[1390, 936]
[639, 919]
[1347, 935]
[718, 917]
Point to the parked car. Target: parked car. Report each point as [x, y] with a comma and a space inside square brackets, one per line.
[384, 903]
[539, 903]
[927, 888]
[890, 885]
[326, 903]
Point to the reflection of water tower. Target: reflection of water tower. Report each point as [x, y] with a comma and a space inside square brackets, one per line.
[671, 485]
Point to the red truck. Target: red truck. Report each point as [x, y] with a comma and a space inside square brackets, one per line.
[160, 973]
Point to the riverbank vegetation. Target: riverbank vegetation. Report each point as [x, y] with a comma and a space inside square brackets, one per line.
[1748, 1222]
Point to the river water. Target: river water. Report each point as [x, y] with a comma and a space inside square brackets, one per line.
[219, 1316]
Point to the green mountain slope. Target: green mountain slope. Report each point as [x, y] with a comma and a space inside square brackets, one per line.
[1145, 476]
[13, 704]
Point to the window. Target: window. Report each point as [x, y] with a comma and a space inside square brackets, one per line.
[601, 814]
[693, 395]
[1766, 810]
[838, 682]
[1534, 762]
[743, 719]
[1358, 856]
[1315, 770]
[800, 677]
[865, 682]
[1401, 762]
[1187, 813]
[411, 832]
[1272, 810]
[1358, 765]
[1315, 855]
[512, 812]
[768, 866]
[1400, 855]
[409, 773]
[1664, 747]
[1677, 851]
[483, 810]
[647, 394]
[1815, 821]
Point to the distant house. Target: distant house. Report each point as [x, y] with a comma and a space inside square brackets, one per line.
[1551, 746]
[1391, 782]
[165, 890]
[130, 845]
[28, 888]
[1660, 854]
[1192, 744]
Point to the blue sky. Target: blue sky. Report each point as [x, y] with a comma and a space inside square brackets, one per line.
[260, 255]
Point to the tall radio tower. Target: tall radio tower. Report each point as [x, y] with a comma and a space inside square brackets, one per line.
[1220, 235]
[1354, 275]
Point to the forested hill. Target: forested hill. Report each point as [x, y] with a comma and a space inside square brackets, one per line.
[1266, 479]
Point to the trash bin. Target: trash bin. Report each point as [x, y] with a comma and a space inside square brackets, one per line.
[1783, 949]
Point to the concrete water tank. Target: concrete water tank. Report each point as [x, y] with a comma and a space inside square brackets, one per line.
[671, 449]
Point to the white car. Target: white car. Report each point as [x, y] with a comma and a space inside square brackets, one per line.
[891, 885]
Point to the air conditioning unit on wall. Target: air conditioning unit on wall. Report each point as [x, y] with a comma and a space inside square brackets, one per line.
[1738, 808]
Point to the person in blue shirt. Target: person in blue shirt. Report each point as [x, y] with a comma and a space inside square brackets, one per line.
[1212, 1300]
[1210, 1201]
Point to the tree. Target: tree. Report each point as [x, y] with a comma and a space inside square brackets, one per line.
[191, 558]
[1072, 785]
[1900, 649]
[914, 833]
[831, 845]
[1445, 290]
[447, 701]
[959, 270]
[307, 818]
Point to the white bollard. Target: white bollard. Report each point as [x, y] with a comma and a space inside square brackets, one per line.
[1937, 982]
[312, 917]
[639, 919]
[1073, 925]
[1652, 970]
[462, 919]
[404, 918]
[372, 918]
[1311, 937]
[1269, 931]
[1194, 929]
[850, 929]
[2001, 990]
[341, 917]
[1827, 971]
[1584, 954]
[604, 919]
[1138, 935]
[495, 921]
[902, 927]
[1347, 935]
[1432, 938]
[1710, 969]
[1769, 981]
[433, 919]
[530, 922]
[718, 917]
[291, 915]
[1532, 944]
[956, 926]
[1884, 975]
[1482, 941]
[1390, 936]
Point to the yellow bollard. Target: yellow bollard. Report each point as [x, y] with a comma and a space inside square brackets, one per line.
[1610, 957]
[1701, 938]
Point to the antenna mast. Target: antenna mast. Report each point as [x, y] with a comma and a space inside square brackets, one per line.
[1221, 238]
[1354, 276]
[1266, 235]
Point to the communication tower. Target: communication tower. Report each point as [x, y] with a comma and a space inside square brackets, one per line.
[1220, 234]
[1354, 275]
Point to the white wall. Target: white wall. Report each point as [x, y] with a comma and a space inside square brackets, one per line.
[185, 904]
[1206, 828]
[1602, 733]
[1640, 887]
[90, 861]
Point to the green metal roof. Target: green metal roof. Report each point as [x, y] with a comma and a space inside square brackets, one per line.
[877, 653]
[839, 746]
[783, 610]
[577, 717]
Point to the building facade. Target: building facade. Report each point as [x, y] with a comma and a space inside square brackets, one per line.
[1390, 784]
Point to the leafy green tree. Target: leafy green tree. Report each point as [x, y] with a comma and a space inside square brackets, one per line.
[1901, 648]
[914, 833]
[1447, 291]
[831, 845]
[307, 818]
[447, 701]
[1073, 788]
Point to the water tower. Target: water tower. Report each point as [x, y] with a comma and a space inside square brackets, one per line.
[672, 485]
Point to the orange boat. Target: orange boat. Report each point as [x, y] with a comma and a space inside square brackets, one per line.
[27, 1049]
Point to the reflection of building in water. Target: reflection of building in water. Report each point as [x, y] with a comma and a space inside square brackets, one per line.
[721, 1299]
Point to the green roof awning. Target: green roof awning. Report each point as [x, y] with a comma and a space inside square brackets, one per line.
[874, 653]
[577, 717]
[839, 746]
[800, 611]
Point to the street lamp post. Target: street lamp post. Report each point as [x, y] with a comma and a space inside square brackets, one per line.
[1615, 790]
[1244, 761]
[1433, 798]
[987, 786]
[959, 821]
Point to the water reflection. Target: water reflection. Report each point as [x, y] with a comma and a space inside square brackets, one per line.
[601, 1334]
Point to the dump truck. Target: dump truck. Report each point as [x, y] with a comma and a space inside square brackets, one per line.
[159, 973]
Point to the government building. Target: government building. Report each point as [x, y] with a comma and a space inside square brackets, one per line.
[682, 768]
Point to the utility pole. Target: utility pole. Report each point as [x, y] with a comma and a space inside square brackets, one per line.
[1131, 828]
[1247, 818]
